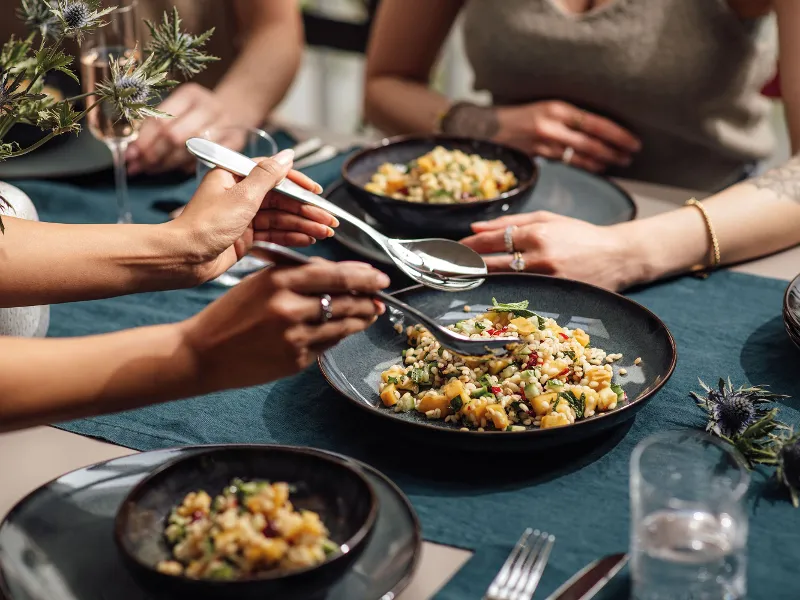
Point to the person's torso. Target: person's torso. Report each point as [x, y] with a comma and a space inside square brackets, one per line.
[683, 75]
[197, 16]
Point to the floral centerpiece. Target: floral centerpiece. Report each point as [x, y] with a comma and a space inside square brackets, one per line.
[131, 90]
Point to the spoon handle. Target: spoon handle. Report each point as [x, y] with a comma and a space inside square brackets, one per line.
[239, 164]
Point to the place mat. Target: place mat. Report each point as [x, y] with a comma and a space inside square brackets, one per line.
[580, 493]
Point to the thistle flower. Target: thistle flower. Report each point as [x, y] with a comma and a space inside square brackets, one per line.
[131, 88]
[78, 17]
[12, 93]
[39, 15]
[741, 418]
[731, 411]
[176, 51]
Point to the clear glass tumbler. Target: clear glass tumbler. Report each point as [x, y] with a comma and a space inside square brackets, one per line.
[251, 142]
[688, 522]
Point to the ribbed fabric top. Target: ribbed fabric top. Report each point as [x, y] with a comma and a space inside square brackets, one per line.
[683, 75]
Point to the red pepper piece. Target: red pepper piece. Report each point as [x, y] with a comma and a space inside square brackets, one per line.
[564, 372]
[563, 336]
[197, 515]
[495, 389]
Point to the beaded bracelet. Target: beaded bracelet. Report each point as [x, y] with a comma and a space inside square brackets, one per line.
[702, 271]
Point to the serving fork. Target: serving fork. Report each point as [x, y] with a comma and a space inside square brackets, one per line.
[520, 574]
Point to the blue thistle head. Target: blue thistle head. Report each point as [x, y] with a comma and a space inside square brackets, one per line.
[731, 411]
[76, 14]
[134, 89]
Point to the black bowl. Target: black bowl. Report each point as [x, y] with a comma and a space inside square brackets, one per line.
[325, 484]
[441, 220]
[616, 324]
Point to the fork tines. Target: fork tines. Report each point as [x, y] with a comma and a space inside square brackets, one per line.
[520, 574]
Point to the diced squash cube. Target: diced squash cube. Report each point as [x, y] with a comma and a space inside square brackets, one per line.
[425, 164]
[453, 388]
[542, 404]
[554, 420]
[390, 395]
[488, 188]
[581, 336]
[498, 416]
[524, 326]
[432, 402]
[495, 366]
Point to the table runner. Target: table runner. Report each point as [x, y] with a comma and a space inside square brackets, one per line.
[728, 325]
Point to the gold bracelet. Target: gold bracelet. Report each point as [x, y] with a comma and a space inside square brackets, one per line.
[702, 270]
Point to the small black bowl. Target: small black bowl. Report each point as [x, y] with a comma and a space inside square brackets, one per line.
[326, 484]
[442, 220]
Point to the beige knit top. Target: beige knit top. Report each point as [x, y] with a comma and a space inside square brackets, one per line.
[197, 16]
[683, 75]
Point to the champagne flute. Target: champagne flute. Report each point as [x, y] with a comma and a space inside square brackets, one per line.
[117, 40]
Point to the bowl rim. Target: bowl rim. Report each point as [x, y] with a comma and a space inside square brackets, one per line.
[521, 187]
[794, 283]
[528, 433]
[355, 541]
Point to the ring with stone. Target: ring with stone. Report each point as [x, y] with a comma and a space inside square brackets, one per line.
[569, 152]
[326, 314]
[518, 262]
[508, 238]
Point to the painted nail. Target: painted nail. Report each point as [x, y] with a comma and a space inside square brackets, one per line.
[284, 157]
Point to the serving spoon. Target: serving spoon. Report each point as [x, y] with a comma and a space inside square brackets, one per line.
[447, 338]
[441, 264]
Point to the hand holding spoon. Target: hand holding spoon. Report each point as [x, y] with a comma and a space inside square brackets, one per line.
[449, 339]
[441, 264]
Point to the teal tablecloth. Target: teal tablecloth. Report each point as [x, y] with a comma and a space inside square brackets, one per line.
[728, 325]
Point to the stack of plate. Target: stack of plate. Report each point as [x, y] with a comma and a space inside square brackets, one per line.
[791, 310]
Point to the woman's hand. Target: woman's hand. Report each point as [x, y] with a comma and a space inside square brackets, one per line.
[549, 128]
[161, 145]
[271, 325]
[227, 214]
[556, 245]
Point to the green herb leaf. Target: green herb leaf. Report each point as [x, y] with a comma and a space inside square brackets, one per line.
[577, 404]
[518, 308]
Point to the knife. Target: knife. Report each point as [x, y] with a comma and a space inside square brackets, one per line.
[591, 579]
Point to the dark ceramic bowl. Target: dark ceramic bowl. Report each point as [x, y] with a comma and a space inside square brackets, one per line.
[439, 220]
[325, 484]
[615, 323]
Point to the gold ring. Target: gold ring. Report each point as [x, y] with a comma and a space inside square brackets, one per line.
[569, 152]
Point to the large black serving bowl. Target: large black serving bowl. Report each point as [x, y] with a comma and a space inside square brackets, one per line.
[324, 483]
[615, 323]
[438, 220]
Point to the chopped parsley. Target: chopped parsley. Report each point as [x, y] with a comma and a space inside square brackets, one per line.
[394, 380]
[479, 326]
[456, 403]
[576, 403]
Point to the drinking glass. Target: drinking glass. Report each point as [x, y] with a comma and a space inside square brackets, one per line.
[118, 40]
[688, 522]
[251, 142]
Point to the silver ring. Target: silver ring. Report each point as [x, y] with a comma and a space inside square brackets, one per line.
[518, 262]
[508, 238]
[325, 308]
[569, 152]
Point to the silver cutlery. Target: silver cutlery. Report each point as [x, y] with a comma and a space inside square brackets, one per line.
[437, 263]
[587, 582]
[451, 340]
[522, 571]
[307, 147]
[320, 156]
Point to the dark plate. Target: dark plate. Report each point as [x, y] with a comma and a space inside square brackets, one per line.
[330, 486]
[57, 543]
[791, 302]
[436, 220]
[616, 324]
[560, 189]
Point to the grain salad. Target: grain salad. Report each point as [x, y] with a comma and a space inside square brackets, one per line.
[249, 529]
[443, 177]
[550, 378]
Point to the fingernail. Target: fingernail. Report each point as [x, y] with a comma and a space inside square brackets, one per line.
[381, 308]
[331, 232]
[313, 240]
[335, 221]
[318, 190]
[382, 280]
[284, 157]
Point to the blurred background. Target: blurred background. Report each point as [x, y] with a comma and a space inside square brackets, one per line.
[328, 90]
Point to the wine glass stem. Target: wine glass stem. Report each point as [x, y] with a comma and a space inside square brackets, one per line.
[118, 147]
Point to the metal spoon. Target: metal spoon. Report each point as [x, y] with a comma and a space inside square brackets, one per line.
[451, 340]
[441, 264]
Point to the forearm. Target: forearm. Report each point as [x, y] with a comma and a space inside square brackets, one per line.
[396, 105]
[93, 375]
[48, 263]
[751, 219]
[262, 73]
